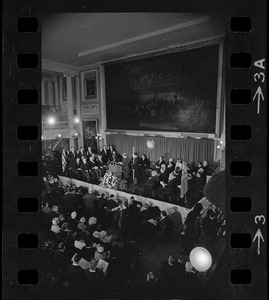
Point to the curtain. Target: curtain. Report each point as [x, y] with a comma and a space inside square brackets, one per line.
[191, 150]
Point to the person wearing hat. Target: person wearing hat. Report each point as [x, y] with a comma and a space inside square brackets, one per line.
[55, 226]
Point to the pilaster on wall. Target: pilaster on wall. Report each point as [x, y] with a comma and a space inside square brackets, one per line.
[70, 107]
[78, 108]
[91, 107]
[103, 125]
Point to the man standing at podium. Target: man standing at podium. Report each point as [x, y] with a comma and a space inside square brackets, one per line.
[126, 163]
[135, 167]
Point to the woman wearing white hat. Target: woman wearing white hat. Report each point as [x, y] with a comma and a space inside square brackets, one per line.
[55, 225]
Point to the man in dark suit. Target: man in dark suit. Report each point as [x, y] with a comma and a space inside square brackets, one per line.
[145, 162]
[84, 170]
[135, 167]
[61, 258]
[72, 155]
[105, 155]
[126, 164]
[89, 202]
[80, 152]
[111, 207]
[148, 187]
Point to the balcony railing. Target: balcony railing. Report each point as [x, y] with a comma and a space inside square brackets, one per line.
[59, 125]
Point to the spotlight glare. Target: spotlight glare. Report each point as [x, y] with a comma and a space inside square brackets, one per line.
[201, 259]
[221, 142]
[51, 120]
[59, 135]
[218, 147]
[76, 120]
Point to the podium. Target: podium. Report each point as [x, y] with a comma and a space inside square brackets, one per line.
[116, 169]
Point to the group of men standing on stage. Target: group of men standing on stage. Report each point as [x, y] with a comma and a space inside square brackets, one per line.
[88, 166]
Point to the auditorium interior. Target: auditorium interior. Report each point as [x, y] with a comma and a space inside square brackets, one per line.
[133, 155]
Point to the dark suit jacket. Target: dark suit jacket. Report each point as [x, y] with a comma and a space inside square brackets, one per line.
[111, 204]
[162, 223]
[145, 163]
[91, 164]
[174, 183]
[126, 164]
[159, 163]
[87, 253]
[79, 154]
[135, 166]
[72, 156]
[89, 201]
[105, 156]
[101, 202]
[171, 168]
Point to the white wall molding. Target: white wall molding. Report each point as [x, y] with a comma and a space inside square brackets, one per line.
[57, 67]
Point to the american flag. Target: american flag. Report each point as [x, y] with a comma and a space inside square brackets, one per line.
[184, 180]
[63, 160]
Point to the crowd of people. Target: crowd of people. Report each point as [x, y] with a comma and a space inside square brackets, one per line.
[89, 243]
[162, 180]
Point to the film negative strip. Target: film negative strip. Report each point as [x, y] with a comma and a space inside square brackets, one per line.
[241, 272]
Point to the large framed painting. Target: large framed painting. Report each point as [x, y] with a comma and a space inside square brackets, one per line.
[90, 88]
[90, 129]
[175, 92]
[64, 89]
